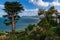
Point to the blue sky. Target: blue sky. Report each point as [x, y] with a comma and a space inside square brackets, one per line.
[31, 6]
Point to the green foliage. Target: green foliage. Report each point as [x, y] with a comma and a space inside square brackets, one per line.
[40, 11]
[51, 18]
[24, 37]
[2, 33]
[19, 35]
[53, 23]
[30, 27]
[12, 9]
[45, 24]
[13, 6]
[48, 24]
[57, 31]
[51, 31]
[52, 10]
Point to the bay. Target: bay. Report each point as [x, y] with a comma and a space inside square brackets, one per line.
[22, 23]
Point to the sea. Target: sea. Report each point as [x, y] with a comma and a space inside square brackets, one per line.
[21, 24]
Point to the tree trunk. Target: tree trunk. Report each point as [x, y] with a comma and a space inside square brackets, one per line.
[13, 28]
[13, 24]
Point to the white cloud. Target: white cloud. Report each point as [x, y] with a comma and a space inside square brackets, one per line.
[31, 9]
[55, 3]
[26, 12]
[2, 13]
[45, 4]
[29, 12]
[31, 0]
[40, 3]
[1, 6]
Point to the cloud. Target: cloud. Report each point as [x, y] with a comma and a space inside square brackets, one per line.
[26, 12]
[29, 12]
[2, 13]
[45, 4]
[1, 6]
[40, 3]
[55, 3]
[31, 9]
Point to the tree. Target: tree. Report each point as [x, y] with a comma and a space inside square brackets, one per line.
[40, 11]
[46, 24]
[59, 18]
[12, 9]
[51, 11]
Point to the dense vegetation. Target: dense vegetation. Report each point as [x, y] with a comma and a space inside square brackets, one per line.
[46, 29]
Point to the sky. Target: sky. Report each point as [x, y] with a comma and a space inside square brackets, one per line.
[31, 6]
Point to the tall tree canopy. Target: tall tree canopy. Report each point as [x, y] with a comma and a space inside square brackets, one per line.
[12, 9]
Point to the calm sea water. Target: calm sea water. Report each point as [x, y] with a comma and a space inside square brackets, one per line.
[20, 25]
